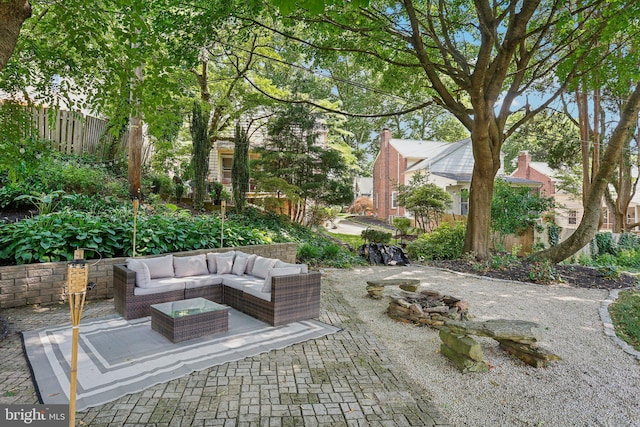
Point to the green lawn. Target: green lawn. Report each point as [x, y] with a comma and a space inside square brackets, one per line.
[354, 240]
[625, 313]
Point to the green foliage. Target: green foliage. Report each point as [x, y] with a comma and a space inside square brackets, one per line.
[402, 224]
[375, 236]
[162, 185]
[605, 244]
[44, 203]
[53, 237]
[216, 189]
[629, 241]
[352, 240]
[200, 152]
[308, 252]
[497, 262]
[306, 169]
[444, 242]
[553, 233]
[551, 137]
[514, 210]
[425, 200]
[624, 314]
[610, 271]
[543, 272]
[240, 168]
[327, 253]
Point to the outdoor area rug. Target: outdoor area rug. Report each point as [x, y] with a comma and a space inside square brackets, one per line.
[118, 357]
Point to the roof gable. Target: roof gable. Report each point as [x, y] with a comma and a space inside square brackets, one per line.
[415, 149]
[452, 157]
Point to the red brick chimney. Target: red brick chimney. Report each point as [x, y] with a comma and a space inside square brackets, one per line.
[524, 158]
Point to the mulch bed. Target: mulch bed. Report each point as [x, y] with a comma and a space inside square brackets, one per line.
[526, 271]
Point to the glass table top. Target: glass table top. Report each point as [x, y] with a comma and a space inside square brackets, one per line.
[188, 307]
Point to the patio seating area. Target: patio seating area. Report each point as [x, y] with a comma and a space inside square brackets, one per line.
[339, 380]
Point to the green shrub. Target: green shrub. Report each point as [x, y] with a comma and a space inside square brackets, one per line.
[307, 253]
[543, 272]
[330, 251]
[54, 237]
[444, 242]
[402, 224]
[375, 236]
[605, 243]
[163, 185]
[323, 252]
[629, 259]
[629, 241]
[610, 271]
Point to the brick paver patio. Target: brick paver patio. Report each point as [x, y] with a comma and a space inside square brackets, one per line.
[344, 379]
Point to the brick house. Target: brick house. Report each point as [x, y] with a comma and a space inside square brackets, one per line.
[569, 206]
[448, 164]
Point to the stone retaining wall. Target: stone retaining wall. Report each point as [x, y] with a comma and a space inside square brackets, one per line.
[46, 283]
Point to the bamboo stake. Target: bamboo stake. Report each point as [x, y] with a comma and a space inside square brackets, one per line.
[223, 205]
[136, 203]
[77, 275]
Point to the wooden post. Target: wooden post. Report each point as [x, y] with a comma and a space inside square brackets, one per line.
[223, 205]
[136, 203]
[77, 274]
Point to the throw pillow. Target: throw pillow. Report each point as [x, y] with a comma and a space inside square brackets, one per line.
[275, 272]
[304, 269]
[239, 265]
[194, 265]
[161, 266]
[211, 260]
[250, 261]
[261, 267]
[224, 262]
[211, 263]
[143, 276]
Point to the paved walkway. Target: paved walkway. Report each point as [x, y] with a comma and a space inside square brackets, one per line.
[344, 379]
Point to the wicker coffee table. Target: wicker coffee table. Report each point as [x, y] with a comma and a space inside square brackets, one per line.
[190, 318]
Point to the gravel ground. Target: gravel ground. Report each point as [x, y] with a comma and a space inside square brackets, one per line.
[595, 384]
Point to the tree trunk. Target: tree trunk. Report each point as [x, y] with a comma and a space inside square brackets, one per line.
[588, 227]
[13, 13]
[135, 156]
[135, 141]
[486, 143]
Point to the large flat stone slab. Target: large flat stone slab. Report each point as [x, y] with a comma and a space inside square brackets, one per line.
[500, 329]
[393, 282]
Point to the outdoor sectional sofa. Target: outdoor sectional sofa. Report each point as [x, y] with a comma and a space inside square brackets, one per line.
[268, 289]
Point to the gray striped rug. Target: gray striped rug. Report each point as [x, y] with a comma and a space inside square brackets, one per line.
[118, 357]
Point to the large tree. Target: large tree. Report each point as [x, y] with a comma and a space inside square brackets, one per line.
[592, 207]
[475, 58]
[13, 13]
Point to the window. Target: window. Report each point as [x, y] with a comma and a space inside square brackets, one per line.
[573, 217]
[226, 163]
[464, 207]
[605, 217]
[464, 202]
[394, 202]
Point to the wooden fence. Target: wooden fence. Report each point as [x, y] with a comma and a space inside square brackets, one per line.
[71, 132]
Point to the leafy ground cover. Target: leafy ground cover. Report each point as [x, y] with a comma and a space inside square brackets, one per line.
[541, 272]
[624, 313]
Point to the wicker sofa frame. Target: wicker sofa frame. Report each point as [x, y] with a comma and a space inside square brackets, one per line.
[293, 298]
